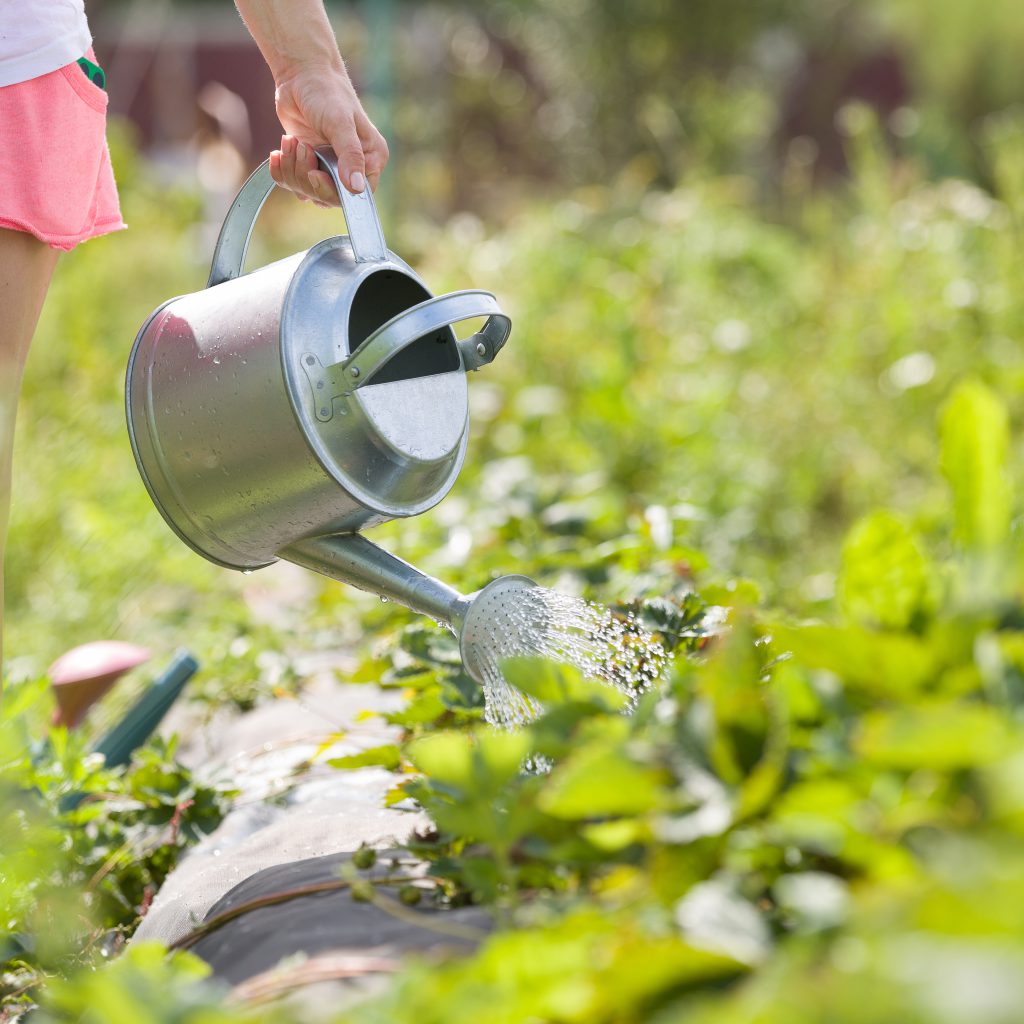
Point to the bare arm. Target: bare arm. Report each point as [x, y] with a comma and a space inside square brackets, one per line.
[316, 102]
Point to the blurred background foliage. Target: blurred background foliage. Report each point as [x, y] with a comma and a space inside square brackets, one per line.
[749, 249]
[485, 104]
[740, 271]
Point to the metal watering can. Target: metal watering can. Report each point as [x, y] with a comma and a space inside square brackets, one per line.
[276, 413]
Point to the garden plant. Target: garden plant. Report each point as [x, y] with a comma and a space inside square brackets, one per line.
[786, 441]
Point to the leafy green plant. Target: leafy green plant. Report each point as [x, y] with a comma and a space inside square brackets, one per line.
[142, 985]
[85, 847]
[802, 813]
[708, 417]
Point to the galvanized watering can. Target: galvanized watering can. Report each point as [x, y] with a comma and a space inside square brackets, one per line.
[275, 413]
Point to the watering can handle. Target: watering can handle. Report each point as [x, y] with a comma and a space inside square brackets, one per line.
[364, 228]
[338, 379]
[425, 317]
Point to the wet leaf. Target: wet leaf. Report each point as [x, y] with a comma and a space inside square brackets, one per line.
[594, 782]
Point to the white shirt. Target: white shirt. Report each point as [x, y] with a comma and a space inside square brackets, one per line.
[39, 36]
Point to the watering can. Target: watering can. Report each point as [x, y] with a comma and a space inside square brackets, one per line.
[278, 412]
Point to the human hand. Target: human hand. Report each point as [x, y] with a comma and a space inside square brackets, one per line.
[316, 107]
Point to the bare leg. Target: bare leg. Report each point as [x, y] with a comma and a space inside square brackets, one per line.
[26, 265]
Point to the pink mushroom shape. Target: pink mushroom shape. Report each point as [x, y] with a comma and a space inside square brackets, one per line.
[81, 676]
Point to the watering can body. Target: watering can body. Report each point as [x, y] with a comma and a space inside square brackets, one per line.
[319, 395]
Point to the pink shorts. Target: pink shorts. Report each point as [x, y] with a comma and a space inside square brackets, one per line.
[56, 181]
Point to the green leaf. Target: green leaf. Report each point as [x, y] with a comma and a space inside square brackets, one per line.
[479, 762]
[884, 665]
[766, 778]
[396, 794]
[446, 757]
[941, 736]
[816, 813]
[731, 683]
[424, 708]
[612, 836]
[975, 438]
[482, 875]
[596, 781]
[387, 756]
[886, 578]
[142, 985]
[500, 755]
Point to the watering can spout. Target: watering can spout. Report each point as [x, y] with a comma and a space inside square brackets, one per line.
[351, 558]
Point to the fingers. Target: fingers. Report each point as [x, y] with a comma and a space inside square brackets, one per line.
[295, 167]
[321, 187]
[345, 141]
[362, 156]
[290, 167]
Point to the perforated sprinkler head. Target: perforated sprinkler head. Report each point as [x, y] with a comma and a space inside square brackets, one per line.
[484, 615]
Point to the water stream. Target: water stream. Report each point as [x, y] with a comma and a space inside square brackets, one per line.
[617, 651]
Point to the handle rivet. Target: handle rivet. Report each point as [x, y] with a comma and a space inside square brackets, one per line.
[355, 372]
[310, 360]
[323, 412]
[481, 349]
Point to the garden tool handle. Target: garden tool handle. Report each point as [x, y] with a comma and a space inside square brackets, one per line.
[360, 211]
[432, 315]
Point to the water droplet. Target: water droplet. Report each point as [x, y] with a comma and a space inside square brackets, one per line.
[216, 360]
[542, 622]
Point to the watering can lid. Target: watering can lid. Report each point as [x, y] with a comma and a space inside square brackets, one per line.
[389, 418]
[423, 411]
